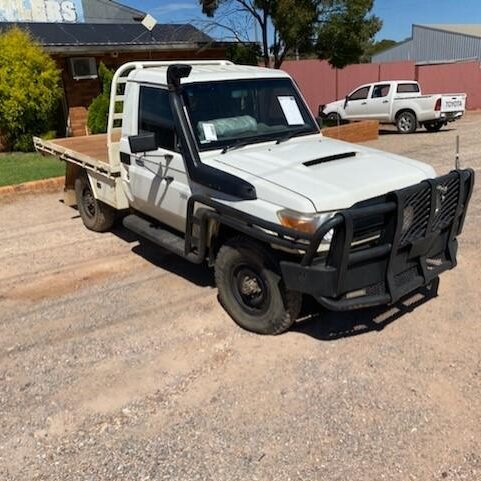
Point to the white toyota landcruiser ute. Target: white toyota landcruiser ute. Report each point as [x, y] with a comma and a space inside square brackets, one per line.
[225, 164]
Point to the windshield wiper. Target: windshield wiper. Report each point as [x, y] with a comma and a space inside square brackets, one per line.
[293, 133]
[236, 145]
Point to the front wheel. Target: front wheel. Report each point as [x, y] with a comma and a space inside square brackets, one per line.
[334, 117]
[406, 123]
[433, 126]
[95, 215]
[251, 289]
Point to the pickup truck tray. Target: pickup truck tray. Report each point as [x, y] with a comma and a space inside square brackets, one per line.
[89, 152]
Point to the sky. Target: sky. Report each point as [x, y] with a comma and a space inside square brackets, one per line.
[398, 16]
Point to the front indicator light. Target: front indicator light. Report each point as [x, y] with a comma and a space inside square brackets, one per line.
[307, 223]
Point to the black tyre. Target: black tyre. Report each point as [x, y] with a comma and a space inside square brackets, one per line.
[95, 215]
[406, 122]
[334, 117]
[433, 126]
[251, 289]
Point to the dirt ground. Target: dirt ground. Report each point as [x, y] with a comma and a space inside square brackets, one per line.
[117, 363]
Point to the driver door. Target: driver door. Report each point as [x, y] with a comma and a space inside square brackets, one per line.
[356, 106]
[158, 181]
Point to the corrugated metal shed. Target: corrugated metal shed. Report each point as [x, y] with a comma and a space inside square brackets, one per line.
[436, 44]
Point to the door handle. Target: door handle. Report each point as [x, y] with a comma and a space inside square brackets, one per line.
[364, 103]
[168, 179]
[139, 161]
[385, 101]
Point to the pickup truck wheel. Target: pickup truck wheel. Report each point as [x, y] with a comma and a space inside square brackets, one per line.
[95, 215]
[406, 123]
[251, 289]
[433, 126]
[334, 117]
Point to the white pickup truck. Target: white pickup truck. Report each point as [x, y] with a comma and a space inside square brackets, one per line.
[400, 103]
[225, 164]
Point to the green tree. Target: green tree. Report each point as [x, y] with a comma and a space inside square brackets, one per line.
[374, 48]
[98, 112]
[243, 53]
[344, 38]
[336, 30]
[29, 89]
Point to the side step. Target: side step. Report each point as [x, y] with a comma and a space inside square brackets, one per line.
[162, 237]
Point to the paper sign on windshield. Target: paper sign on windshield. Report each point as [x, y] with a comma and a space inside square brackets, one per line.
[210, 133]
[291, 110]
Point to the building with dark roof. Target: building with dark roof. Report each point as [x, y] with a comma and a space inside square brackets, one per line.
[430, 44]
[95, 31]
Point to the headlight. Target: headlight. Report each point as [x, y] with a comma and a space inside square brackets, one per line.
[308, 223]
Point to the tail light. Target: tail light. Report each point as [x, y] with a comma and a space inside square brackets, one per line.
[438, 105]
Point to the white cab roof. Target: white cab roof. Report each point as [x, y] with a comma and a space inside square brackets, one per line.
[205, 72]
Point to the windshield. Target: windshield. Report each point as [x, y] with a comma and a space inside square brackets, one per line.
[229, 113]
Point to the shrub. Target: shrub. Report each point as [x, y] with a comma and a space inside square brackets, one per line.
[99, 108]
[29, 89]
[98, 114]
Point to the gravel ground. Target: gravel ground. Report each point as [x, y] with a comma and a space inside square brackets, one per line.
[117, 363]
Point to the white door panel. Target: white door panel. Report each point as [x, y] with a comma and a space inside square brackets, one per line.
[159, 187]
[379, 103]
[355, 106]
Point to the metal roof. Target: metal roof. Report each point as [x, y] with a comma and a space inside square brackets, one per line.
[110, 11]
[473, 30]
[436, 43]
[109, 34]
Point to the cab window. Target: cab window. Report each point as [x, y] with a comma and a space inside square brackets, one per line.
[380, 91]
[407, 88]
[155, 115]
[360, 94]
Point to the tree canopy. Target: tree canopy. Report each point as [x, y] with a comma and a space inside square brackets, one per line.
[29, 89]
[336, 30]
[374, 48]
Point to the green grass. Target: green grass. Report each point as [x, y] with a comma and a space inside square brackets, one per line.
[16, 168]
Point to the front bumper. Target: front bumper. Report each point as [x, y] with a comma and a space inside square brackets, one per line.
[416, 240]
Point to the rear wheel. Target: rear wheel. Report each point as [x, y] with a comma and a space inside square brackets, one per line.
[251, 289]
[433, 126]
[95, 215]
[406, 122]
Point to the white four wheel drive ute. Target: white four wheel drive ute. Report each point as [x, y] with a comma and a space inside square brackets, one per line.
[400, 103]
[224, 163]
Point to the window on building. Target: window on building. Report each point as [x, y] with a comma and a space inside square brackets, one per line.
[380, 91]
[83, 68]
[155, 115]
[360, 94]
[407, 88]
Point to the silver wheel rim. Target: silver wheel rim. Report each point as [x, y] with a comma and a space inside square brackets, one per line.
[405, 123]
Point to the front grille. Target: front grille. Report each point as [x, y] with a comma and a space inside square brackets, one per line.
[416, 212]
[446, 203]
[417, 209]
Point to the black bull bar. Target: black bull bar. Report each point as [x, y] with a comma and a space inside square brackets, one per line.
[413, 240]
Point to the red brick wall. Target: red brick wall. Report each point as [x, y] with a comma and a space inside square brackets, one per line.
[80, 93]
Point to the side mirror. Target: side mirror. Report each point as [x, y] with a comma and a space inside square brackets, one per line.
[143, 143]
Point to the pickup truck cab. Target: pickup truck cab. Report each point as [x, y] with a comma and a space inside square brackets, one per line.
[400, 103]
[225, 164]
